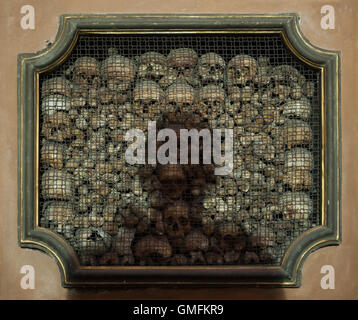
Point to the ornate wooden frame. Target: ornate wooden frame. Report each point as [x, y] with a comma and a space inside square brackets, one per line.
[288, 274]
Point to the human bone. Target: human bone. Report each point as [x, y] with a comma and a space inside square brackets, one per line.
[180, 97]
[177, 215]
[55, 102]
[57, 184]
[89, 242]
[296, 133]
[297, 179]
[241, 70]
[56, 86]
[85, 72]
[119, 72]
[173, 180]
[109, 258]
[153, 245]
[298, 158]
[57, 127]
[251, 257]
[272, 115]
[263, 76]
[179, 260]
[211, 69]
[196, 241]
[297, 108]
[308, 89]
[57, 215]
[227, 234]
[288, 75]
[211, 101]
[53, 154]
[181, 66]
[176, 219]
[152, 66]
[296, 205]
[148, 99]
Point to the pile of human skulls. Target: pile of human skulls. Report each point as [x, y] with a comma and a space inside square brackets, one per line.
[114, 213]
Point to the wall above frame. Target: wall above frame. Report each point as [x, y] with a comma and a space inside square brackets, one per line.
[109, 222]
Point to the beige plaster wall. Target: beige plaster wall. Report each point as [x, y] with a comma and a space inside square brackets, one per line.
[14, 40]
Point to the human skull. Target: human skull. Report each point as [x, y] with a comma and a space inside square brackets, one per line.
[233, 102]
[56, 86]
[57, 126]
[55, 102]
[298, 158]
[227, 235]
[296, 133]
[96, 141]
[152, 66]
[242, 94]
[272, 115]
[85, 72]
[296, 205]
[57, 184]
[148, 99]
[211, 69]
[57, 215]
[263, 237]
[79, 96]
[211, 101]
[53, 154]
[180, 97]
[290, 79]
[241, 70]
[181, 65]
[214, 208]
[297, 169]
[297, 108]
[118, 72]
[287, 75]
[298, 179]
[176, 219]
[152, 249]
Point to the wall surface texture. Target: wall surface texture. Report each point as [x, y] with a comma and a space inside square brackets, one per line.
[15, 40]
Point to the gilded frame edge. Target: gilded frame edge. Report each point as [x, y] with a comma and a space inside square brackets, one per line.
[289, 273]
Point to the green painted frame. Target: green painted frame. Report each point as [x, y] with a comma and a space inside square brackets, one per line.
[288, 274]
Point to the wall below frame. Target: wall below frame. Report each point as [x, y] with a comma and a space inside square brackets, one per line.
[15, 40]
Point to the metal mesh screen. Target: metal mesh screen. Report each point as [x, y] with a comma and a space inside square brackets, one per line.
[116, 213]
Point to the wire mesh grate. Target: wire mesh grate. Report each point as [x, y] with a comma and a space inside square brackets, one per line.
[113, 212]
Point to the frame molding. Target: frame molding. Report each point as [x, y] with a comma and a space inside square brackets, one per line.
[288, 274]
